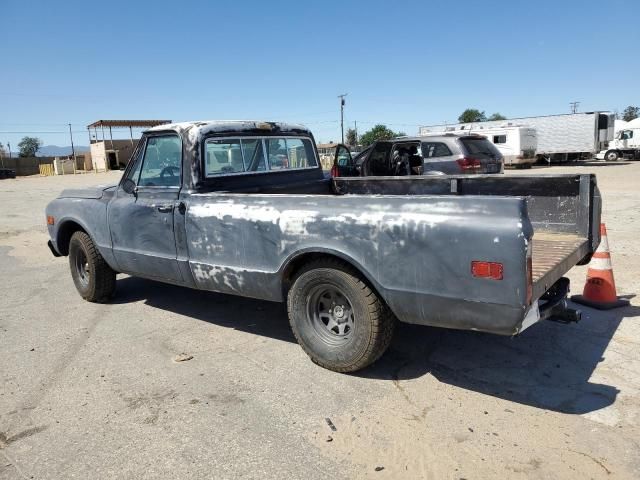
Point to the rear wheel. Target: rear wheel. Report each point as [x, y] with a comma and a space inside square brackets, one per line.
[337, 319]
[94, 279]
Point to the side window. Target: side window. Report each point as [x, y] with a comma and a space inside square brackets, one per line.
[343, 157]
[223, 156]
[499, 139]
[162, 162]
[435, 149]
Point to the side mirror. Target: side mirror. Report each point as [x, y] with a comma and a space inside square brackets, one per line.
[129, 186]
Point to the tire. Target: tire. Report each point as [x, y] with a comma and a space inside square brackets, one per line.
[344, 340]
[94, 279]
[611, 156]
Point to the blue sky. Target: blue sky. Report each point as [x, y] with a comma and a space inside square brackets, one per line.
[402, 63]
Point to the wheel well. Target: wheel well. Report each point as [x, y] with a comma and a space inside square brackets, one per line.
[300, 261]
[65, 231]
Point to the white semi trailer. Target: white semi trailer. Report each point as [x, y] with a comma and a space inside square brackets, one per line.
[562, 137]
[625, 144]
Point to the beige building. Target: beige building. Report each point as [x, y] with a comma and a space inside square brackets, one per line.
[112, 154]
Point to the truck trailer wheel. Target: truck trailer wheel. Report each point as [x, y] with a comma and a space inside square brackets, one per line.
[611, 156]
[336, 318]
[94, 279]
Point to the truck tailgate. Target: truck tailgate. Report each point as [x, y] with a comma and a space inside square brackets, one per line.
[553, 255]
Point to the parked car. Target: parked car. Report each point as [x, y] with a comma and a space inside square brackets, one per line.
[7, 173]
[201, 206]
[449, 154]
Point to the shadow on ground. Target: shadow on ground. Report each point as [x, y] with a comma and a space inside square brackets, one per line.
[548, 366]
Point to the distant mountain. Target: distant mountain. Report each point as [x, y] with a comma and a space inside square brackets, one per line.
[56, 151]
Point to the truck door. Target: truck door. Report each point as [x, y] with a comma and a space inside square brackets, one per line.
[343, 165]
[140, 216]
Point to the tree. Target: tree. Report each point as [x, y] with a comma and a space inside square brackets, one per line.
[351, 137]
[29, 146]
[497, 116]
[472, 115]
[378, 132]
[630, 113]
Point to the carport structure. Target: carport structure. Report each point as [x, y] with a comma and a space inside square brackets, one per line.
[111, 124]
[110, 154]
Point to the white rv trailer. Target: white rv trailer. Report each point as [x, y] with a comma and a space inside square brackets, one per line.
[560, 137]
[626, 142]
[516, 144]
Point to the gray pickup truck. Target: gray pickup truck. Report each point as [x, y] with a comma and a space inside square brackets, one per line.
[243, 208]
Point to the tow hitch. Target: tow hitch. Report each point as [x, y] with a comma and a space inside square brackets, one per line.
[555, 307]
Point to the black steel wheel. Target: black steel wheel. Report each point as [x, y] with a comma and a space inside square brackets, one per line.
[92, 276]
[338, 320]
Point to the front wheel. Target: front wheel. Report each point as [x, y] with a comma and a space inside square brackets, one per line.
[336, 317]
[611, 156]
[93, 277]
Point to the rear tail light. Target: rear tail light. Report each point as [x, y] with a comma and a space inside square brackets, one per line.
[469, 163]
[334, 171]
[491, 270]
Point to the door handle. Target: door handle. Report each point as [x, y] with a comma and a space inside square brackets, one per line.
[165, 208]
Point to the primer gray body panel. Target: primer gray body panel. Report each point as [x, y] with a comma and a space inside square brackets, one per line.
[412, 238]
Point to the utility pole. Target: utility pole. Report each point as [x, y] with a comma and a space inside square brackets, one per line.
[341, 97]
[9, 148]
[73, 151]
[355, 127]
[574, 106]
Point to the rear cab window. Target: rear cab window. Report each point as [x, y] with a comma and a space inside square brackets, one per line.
[244, 155]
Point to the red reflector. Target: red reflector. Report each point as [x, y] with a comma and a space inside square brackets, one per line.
[50, 220]
[492, 270]
[334, 171]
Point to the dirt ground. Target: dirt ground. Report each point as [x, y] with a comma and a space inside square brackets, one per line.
[95, 391]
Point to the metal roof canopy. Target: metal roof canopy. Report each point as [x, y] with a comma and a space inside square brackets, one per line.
[130, 124]
[127, 123]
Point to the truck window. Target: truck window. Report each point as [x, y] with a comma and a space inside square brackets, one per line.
[252, 151]
[240, 155]
[223, 156]
[134, 172]
[288, 153]
[162, 161]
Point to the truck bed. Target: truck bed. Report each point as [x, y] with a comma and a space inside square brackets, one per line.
[564, 211]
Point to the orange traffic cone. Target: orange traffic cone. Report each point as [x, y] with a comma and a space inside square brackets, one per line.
[600, 289]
